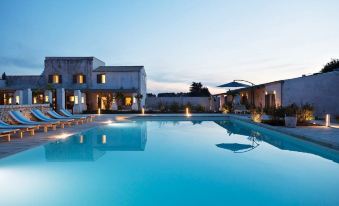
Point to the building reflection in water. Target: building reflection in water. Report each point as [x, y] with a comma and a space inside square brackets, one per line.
[276, 139]
[94, 143]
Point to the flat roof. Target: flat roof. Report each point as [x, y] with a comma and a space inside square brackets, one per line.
[118, 69]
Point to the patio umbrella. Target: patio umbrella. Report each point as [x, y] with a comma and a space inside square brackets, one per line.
[234, 84]
[236, 147]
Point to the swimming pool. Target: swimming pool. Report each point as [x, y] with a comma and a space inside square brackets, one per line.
[172, 163]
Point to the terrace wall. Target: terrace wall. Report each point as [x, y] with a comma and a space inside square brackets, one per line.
[25, 109]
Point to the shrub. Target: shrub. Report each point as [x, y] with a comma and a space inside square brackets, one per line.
[174, 107]
[227, 108]
[291, 110]
[276, 113]
[199, 108]
[305, 113]
[256, 114]
[162, 107]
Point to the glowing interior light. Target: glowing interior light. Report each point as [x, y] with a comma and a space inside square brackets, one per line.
[17, 99]
[46, 98]
[82, 100]
[187, 112]
[142, 111]
[327, 120]
[103, 138]
[34, 100]
[76, 100]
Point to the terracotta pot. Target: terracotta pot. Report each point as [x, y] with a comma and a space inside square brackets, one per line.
[290, 122]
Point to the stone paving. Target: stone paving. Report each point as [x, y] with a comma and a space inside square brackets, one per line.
[27, 142]
[326, 136]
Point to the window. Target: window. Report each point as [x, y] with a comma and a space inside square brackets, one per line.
[128, 101]
[79, 79]
[55, 79]
[101, 78]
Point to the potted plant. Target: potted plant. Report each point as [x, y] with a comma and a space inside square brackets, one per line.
[256, 114]
[291, 115]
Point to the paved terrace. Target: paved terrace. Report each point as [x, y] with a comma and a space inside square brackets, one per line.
[326, 136]
[319, 134]
[27, 142]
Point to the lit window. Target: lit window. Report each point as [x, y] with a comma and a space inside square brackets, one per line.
[128, 101]
[82, 100]
[81, 79]
[17, 99]
[56, 79]
[103, 78]
[10, 100]
[76, 100]
[46, 98]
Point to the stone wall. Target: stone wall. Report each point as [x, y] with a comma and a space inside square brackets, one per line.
[153, 103]
[25, 109]
[321, 91]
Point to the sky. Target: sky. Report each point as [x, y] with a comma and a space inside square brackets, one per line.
[178, 41]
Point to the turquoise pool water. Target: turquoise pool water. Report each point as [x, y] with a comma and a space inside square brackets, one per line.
[172, 163]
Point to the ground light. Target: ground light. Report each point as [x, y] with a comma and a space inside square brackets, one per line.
[188, 114]
[142, 111]
[327, 120]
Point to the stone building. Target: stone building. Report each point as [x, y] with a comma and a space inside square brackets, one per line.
[78, 83]
[321, 90]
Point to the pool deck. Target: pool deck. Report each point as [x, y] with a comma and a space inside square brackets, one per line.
[322, 135]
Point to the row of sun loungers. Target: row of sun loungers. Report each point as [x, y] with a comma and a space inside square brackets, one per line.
[53, 120]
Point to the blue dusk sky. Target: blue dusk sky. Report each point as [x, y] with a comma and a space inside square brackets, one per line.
[177, 41]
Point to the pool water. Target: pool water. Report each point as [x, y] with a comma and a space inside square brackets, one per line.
[172, 163]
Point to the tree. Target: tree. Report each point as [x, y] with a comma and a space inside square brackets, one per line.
[330, 66]
[3, 76]
[197, 89]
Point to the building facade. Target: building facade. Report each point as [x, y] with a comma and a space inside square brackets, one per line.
[78, 84]
[320, 90]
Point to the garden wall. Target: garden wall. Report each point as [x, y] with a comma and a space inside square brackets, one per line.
[321, 91]
[152, 103]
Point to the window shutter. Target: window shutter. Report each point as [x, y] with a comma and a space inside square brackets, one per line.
[98, 79]
[50, 78]
[84, 77]
[74, 79]
[60, 79]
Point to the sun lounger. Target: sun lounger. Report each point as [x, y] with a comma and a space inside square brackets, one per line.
[22, 128]
[55, 115]
[68, 114]
[42, 117]
[21, 119]
[7, 133]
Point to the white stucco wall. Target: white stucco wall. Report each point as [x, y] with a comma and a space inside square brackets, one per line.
[117, 80]
[322, 91]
